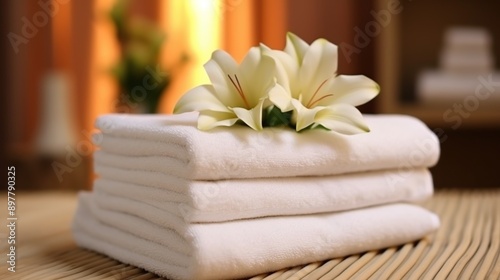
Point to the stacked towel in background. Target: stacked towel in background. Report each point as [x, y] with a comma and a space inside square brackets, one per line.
[466, 63]
[233, 202]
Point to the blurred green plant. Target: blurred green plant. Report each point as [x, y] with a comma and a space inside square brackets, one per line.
[141, 78]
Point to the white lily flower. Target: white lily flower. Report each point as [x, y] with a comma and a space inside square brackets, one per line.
[311, 88]
[237, 92]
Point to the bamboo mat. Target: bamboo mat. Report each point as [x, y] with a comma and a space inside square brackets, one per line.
[467, 246]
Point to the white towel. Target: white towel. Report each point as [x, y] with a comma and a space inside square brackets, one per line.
[470, 62]
[435, 87]
[245, 247]
[240, 152]
[215, 201]
[468, 38]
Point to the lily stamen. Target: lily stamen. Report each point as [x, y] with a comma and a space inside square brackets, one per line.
[319, 99]
[239, 89]
[310, 103]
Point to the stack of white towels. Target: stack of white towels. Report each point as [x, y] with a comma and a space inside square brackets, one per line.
[466, 63]
[234, 202]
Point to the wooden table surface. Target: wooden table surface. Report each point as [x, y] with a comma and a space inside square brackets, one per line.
[467, 246]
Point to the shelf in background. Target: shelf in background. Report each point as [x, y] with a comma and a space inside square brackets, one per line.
[411, 41]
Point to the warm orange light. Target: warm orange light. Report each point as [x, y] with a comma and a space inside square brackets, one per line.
[240, 28]
[204, 36]
[103, 95]
[61, 38]
[193, 27]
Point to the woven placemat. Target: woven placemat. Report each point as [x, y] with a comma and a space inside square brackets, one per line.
[467, 246]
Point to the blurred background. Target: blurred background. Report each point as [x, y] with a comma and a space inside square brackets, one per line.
[66, 62]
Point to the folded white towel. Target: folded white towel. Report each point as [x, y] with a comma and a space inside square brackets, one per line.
[471, 62]
[240, 152]
[215, 201]
[245, 247]
[468, 38]
[435, 87]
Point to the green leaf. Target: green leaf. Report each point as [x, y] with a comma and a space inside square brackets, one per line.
[320, 126]
[274, 117]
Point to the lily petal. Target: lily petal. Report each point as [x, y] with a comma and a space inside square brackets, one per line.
[200, 98]
[218, 68]
[280, 97]
[354, 90]
[225, 61]
[287, 70]
[305, 116]
[296, 47]
[252, 117]
[257, 76]
[342, 118]
[251, 60]
[319, 64]
[210, 119]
